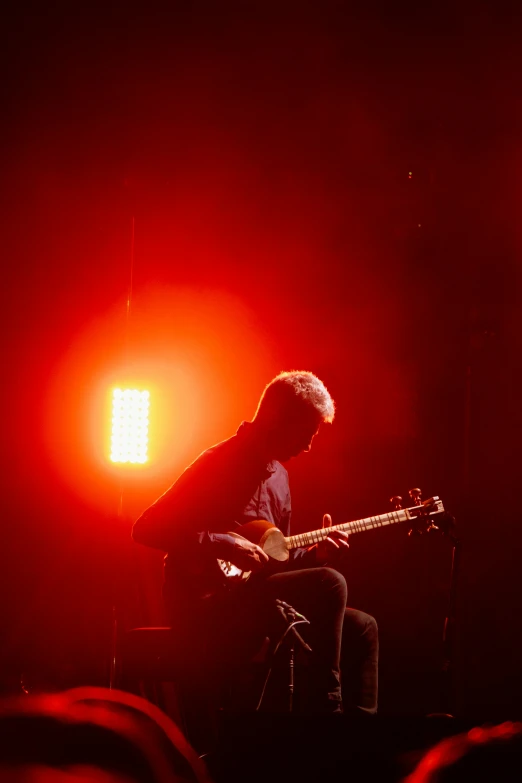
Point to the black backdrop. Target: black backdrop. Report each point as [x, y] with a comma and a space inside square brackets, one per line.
[349, 180]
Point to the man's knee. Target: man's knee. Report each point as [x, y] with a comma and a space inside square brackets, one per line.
[359, 623]
[371, 629]
[333, 582]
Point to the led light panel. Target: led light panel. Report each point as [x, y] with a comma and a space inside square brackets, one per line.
[130, 425]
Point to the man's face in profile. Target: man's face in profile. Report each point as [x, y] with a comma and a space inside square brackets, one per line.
[295, 435]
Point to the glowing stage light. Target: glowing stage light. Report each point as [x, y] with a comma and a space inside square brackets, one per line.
[130, 425]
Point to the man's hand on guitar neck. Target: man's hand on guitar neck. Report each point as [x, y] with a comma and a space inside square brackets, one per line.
[240, 552]
[334, 547]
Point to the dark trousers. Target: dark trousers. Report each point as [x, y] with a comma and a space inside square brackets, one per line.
[224, 632]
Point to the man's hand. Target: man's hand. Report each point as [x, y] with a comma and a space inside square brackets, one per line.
[241, 552]
[334, 547]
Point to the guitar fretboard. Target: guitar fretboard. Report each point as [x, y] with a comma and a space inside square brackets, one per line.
[356, 526]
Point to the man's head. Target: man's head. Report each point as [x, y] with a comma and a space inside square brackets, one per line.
[291, 409]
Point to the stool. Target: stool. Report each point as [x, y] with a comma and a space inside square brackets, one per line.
[152, 660]
[151, 657]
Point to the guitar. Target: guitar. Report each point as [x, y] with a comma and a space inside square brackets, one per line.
[278, 547]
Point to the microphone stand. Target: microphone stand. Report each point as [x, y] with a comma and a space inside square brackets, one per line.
[291, 618]
[448, 634]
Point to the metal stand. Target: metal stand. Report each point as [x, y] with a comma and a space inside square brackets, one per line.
[448, 634]
[446, 527]
[291, 665]
[291, 618]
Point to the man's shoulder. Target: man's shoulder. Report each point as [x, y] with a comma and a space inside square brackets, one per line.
[215, 458]
[220, 450]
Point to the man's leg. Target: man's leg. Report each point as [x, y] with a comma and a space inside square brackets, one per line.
[359, 662]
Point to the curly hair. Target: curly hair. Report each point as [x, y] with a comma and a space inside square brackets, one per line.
[295, 389]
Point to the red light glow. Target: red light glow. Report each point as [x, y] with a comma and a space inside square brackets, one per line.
[202, 358]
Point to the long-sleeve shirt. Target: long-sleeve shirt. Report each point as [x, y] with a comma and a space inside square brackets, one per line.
[226, 486]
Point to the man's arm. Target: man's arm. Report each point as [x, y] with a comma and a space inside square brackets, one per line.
[192, 519]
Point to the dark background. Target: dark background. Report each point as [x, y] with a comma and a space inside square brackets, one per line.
[262, 152]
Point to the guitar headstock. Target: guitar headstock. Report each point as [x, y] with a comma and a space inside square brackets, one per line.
[428, 516]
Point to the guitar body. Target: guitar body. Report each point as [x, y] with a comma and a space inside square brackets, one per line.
[267, 536]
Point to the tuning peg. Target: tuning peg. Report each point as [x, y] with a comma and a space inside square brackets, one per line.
[416, 496]
[396, 502]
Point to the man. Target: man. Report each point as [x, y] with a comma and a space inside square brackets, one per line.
[243, 479]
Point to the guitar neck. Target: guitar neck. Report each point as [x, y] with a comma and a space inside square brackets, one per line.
[356, 526]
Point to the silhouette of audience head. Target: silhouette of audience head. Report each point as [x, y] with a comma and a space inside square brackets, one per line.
[93, 734]
[487, 753]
